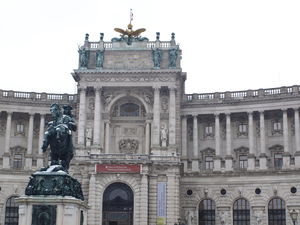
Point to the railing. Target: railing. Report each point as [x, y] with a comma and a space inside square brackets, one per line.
[150, 44]
[32, 96]
[242, 95]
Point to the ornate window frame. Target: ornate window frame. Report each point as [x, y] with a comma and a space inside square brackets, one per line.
[276, 151]
[17, 157]
[241, 152]
[19, 128]
[208, 153]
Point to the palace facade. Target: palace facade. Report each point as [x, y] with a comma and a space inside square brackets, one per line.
[148, 153]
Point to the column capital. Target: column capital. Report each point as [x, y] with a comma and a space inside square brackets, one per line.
[81, 89]
[261, 112]
[227, 114]
[31, 114]
[217, 114]
[97, 89]
[284, 110]
[195, 115]
[250, 113]
[172, 88]
[296, 109]
[156, 88]
[9, 113]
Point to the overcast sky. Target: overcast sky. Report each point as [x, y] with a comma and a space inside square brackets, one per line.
[226, 44]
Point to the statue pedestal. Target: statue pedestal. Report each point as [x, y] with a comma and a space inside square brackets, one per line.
[52, 198]
[51, 210]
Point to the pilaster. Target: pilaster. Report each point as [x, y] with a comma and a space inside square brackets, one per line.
[81, 116]
[195, 161]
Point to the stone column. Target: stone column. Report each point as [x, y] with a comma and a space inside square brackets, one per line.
[297, 138]
[6, 154]
[144, 200]
[195, 161]
[251, 156]
[184, 157]
[41, 139]
[147, 139]
[228, 157]
[263, 156]
[217, 160]
[107, 137]
[156, 118]
[92, 198]
[172, 195]
[28, 160]
[82, 116]
[97, 121]
[172, 117]
[286, 154]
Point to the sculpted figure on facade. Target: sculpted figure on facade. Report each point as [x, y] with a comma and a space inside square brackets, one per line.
[83, 57]
[173, 55]
[59, 136]
[223, 217]
[88, 137]
[164, 136]
[99, 58]
[189, 217]
[156, 57]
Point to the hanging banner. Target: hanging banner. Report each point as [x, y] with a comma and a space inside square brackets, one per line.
[161, 203]
[117, 168]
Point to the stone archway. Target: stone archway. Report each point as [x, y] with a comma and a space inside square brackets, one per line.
[117, 205]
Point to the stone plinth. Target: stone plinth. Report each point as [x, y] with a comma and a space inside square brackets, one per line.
[51, 210]
[53, 183]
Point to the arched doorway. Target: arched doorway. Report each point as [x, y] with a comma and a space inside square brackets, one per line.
[118, 205]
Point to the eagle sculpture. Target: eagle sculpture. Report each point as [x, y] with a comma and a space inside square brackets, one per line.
[129, 32]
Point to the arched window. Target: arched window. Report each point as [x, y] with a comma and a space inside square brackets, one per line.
[207, 212]
[11, 212]
[241, 212]
[129, 109]
[276, 212]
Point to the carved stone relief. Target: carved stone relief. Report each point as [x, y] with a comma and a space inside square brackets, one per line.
[128, 146]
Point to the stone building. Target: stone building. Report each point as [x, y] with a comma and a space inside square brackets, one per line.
[148, 153]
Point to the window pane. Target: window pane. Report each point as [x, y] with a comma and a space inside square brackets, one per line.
[129, 109]
[276, 212]
[207, 212]
[11, 212]
[241, 212]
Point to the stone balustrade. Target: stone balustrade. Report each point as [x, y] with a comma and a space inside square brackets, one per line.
[39, 97]
[248, 95]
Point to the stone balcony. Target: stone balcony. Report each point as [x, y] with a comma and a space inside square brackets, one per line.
[242, 96]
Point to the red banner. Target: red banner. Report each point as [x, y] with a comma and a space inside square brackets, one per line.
[117, 168]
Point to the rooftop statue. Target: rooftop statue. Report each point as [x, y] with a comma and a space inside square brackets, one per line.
[129, 34]
[59, 136]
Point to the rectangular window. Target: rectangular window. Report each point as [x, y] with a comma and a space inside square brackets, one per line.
[17, 161]
[243, 160]
[20, 128]
[208, 130]
[277, 126]
[209, 163]
[278, 161]
[243, 128]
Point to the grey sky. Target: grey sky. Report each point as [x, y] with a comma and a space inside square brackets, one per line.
[227, 44]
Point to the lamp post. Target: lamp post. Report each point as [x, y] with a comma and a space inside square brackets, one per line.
[294, 215]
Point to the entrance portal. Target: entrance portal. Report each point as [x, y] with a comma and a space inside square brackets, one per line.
[118, 205]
